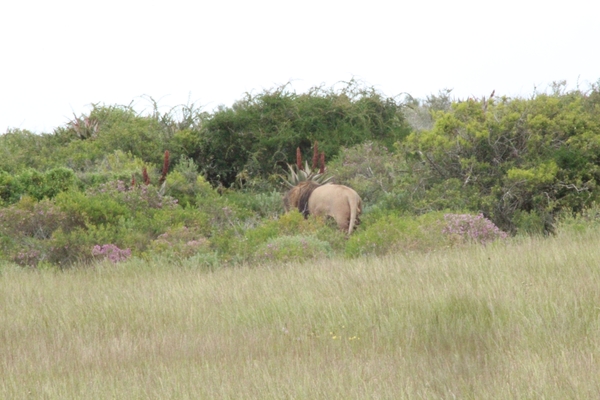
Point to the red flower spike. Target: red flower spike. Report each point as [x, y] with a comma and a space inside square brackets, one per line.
[298, 158]
[145, 176]
[315, 158]
[165, 169]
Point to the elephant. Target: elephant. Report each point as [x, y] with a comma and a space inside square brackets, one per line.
[340, 202]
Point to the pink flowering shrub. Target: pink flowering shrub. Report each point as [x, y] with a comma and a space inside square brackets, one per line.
[111, 252]
[27, 257]
[474, 228]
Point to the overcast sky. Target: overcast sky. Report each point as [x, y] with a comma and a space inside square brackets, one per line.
[58, 57]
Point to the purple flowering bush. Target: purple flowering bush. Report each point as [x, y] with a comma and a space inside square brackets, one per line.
[475, 228]
[111, 253]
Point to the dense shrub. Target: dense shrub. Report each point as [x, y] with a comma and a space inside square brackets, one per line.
[508, 156]
[9, 188]
[117, 128]
[240, 244]
[370, 169]
[261, 132]
[186, 185]
[28, 229]
[35, 184]
[37, 220]
[114, 166]
[395, 233]
[21, 149]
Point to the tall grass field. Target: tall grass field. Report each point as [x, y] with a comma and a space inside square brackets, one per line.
[512, 320]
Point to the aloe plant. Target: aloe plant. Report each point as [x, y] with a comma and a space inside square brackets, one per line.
[297, 175]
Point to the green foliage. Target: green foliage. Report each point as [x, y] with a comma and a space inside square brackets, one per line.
[583, 221]
[264, 205]
[21, 149]
[517, 162]
[509, 156]
[263, 131]
[289, 224]
[395, 233]
[292, 249]
[370, 169]
[28, 229]
[122, 128]
[37, 220]
[242, 244]
[59, 180]
[96, 209]
[31, 182]
[9, 189]
[185, 184]
[529, 222]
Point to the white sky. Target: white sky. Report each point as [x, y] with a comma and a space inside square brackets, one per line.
[57, 57]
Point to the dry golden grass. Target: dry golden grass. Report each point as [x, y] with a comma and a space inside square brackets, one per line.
[520, 320]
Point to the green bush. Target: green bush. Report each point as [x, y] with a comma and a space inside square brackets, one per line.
[99, 209]
[33, 183]
[59, 180]
[395, 233]
[122, 128]
[505, 157]
[37, 220]
[115, 166]
[292, 248]
[239, 245]
[289, 224]
[29, 232]
[264, 205]
[21, 149]
[261, 132]
[529, 223]
[9, 188]
[582, 221]
[186, 185]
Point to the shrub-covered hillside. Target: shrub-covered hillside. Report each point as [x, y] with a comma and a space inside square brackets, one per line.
[207, 186]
